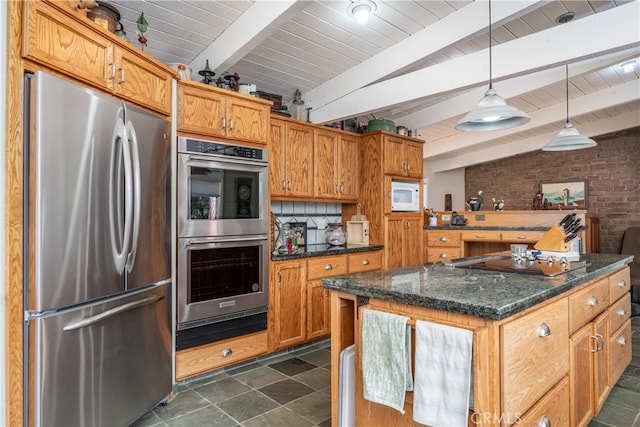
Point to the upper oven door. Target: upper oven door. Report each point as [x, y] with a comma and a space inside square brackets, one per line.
[220, 197]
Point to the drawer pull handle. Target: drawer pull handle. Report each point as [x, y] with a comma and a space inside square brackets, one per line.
[622, 312]
[226, 352]
[524, 238]
[599, 339]
[443, 239]
[544, 330]
[622, 283]
[480, 236]
[593, 302]
[544, 422]
[328, 267]
[365, 262]
[443, 255]
[622, 341]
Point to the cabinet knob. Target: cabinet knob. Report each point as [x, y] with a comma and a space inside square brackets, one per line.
[443, 239]
[226, 352]
[622, 341]
[328, 267]
[622, 312]
[622, 283]
[593, 302]
[544, 421]
[543, 330]
[365, 262]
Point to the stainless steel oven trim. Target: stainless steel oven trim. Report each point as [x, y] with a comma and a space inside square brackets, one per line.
[199, 228]
[211, 309]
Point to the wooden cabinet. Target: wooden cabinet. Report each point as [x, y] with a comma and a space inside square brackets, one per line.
[442, 245]
[402, 157]
[75, 46]
[551, 410]
[210, 111]
[288, 304]
[291, 160]
[336, 165]
[403, 240]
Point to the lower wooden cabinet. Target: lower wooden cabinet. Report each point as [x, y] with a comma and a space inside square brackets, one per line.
[551, 410]
[318, 310]
[442, 245]
[403, 241]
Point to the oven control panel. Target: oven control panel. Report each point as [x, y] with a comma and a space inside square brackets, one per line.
[199, 146]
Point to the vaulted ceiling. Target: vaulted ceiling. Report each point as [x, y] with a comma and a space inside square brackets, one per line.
[423, 64]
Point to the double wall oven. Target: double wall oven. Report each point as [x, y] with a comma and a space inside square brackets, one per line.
[222, 241]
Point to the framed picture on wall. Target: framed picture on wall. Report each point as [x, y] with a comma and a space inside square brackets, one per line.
[564, 194]
[300, 229]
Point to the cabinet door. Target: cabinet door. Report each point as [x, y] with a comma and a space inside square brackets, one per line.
[200, 111]
[581, 376]
[318, 310]
[277, 166]
[289, 304]
[601, 384]
[394, 232]
[299, 160]
[325, 161]
[412, 242]
[348, 167]
[66, 45]
[247, 120]
[141, 82]
[394, 163]
[413, 159]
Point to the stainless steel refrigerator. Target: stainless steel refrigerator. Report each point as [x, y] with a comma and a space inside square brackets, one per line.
[97, 251]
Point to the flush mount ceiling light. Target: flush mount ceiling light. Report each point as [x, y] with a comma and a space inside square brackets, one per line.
[568, 138]
[629, 66]
[361, 9]
[492, 112]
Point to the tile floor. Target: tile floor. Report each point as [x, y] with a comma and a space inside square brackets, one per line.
[293, 389]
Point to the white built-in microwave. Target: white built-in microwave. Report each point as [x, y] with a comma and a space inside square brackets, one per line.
[405, 196]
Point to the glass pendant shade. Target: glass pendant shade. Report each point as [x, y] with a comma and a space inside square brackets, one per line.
[569, 139]
[492, 113]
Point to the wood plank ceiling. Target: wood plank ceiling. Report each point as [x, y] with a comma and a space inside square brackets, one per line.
[423, 64]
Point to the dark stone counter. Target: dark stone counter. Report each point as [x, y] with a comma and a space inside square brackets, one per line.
[481, 227]
[487, 294]
[323, 250]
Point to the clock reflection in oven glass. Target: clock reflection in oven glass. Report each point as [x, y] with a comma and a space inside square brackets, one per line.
[243, 198]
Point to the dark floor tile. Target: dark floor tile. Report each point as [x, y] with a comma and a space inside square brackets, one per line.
[247, 405]
[325, 423]
[286, 390]
[222, 390]
[317, 378]
[292, 366]
[629, 382]
[279, 417]
[209, 416]
[236, 369]
[205, 379]
[616, 415]
[315, 407]
[183, 403]
[147, 420]
[260, 377]
[317, 357]
[623, 397]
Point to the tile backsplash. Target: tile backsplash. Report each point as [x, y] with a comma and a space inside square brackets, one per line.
[310, 212]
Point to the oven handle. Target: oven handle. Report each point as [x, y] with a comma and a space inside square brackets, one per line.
[204, 241]
[208, 161]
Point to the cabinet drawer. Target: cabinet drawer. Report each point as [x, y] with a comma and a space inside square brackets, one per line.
[435, 238]
[481, 236]
[522, 236]
[198, 360]
[620, 311]
[326, 266]
[619, 351]
[554, 408]
[619, 283]
[535, 355]
[586, 304]
[442, 254]
[367, 261]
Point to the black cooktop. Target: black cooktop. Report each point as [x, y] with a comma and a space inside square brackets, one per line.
[536, 267]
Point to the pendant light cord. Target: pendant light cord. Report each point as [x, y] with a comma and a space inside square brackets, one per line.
[566, 68]
[490, 59]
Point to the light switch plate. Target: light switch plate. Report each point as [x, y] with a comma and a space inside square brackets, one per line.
[446, 217]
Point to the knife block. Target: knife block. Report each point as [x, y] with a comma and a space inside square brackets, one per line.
[553, 240]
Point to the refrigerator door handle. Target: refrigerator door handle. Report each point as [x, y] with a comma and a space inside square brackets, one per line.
[135, 162]
[120, 256]
[88, 321]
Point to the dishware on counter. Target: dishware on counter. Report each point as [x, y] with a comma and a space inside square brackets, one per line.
[335, 234]
[518, 251]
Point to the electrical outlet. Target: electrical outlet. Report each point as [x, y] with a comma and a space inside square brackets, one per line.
[446, 217]
[322, 223]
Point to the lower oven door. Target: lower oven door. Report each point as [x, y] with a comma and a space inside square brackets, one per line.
[221, 277]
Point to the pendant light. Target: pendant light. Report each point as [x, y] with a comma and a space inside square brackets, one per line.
[568, 138]
[492, 112]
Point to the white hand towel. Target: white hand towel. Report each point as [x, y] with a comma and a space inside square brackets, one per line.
[386, 358]
[443, 375]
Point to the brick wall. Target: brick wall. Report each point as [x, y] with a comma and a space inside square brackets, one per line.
[612, 172]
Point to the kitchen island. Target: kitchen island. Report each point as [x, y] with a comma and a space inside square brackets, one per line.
[522, 371]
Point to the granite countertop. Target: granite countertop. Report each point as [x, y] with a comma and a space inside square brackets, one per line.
[484, 227]
[309, 251]
[491, 295]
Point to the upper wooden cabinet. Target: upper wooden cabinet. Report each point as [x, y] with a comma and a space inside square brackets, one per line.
[290, 159]
[75, 46]
[210, 111]
[402, 157]
[336, 165]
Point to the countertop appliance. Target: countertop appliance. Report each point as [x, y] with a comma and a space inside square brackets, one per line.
[98, 251]
[405, 196]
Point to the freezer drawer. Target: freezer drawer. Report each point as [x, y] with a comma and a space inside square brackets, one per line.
[101, 364]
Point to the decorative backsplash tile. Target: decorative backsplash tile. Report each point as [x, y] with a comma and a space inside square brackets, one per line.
[309, 212]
